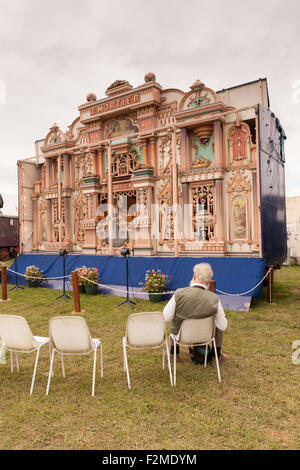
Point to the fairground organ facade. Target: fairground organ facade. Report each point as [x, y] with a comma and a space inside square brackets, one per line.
[162, 171]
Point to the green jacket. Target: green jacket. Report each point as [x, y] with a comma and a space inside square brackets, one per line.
[193, 302]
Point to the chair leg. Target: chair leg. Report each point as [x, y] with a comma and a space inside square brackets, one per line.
[126, 362]
[50, 353]
[205, 359]
[217, 360]
[94, 371]
[50, 371]
[34, 370]
[101, 360]
[17, 362]
[63, 366]
[163, 357]
[175, 356]
[169, 362]
[11, 362]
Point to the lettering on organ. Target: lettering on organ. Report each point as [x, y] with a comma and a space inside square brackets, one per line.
[104, 108]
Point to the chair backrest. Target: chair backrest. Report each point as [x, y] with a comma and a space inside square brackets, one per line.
[70, 334]
[15, 333]
[145, 329]
[197, 330]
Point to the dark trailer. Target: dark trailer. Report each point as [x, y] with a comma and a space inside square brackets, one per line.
[9, 228]
[271, 138]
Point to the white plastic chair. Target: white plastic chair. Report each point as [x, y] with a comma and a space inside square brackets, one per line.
[196, 332]
[70, 336]
[146, 331]
[17, 338]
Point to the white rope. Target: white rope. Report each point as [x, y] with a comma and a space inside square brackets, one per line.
[4, 263]
[134, 292]
[172, 291]
[126, 291]
[244, 293]
[37, 278]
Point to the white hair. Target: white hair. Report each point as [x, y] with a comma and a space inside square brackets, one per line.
[203, 272]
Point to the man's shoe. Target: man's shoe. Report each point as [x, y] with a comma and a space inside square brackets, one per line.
[172, 356]
[222, 358]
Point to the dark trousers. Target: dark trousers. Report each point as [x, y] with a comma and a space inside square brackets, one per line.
[219, 342]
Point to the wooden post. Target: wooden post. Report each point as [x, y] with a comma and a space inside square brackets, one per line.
[76, 294]
[4, 284]
[212, 286]
[270, 285]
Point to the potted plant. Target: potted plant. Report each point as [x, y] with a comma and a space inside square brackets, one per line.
[91, 279]
[155, 282]
[34, 276]
[81, 274]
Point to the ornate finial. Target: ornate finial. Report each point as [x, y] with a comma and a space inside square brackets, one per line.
[91, 97]
[118, 86]
[197, 85]
[150, 77]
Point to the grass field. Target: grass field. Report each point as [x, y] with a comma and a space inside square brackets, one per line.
[255, 407]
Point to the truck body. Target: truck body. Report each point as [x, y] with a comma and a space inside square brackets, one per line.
[9, 234]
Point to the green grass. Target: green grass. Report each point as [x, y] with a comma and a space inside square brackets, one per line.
[255, 407]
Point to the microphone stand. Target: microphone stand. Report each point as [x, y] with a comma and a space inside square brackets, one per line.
[64, 295]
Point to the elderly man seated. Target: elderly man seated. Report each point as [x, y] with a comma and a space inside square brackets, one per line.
[197, 301]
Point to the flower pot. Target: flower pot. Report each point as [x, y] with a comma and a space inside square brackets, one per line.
[91, 289]
[32, 283]
[155, 297]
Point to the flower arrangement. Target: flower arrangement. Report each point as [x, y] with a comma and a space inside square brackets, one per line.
[34, 276]
[155, 281]
[81, 273]
[91, 276]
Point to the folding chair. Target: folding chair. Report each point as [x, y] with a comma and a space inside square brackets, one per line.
[17, 338]
[146, 331]
[196, 332]
[70, 336]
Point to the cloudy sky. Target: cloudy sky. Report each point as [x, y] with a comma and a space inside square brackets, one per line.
[52, 53]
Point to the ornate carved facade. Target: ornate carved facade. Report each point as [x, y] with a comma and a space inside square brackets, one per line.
[159, 170]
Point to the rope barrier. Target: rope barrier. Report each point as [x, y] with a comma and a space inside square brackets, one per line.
[127, 291]
[247, 292]
[134, 292]
[38, 278]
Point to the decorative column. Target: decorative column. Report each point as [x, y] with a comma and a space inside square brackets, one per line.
[95, 162]
[186, 210]
[220, 209]
[100, 163]
[184, 154]
[145, 151]
[110, 199]
[67, 175]
[153, 160]
[218, 141]
[255, 209]
[49, 221]
[34, 221]
[175, 192]
[59, 200]
[48, 161]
